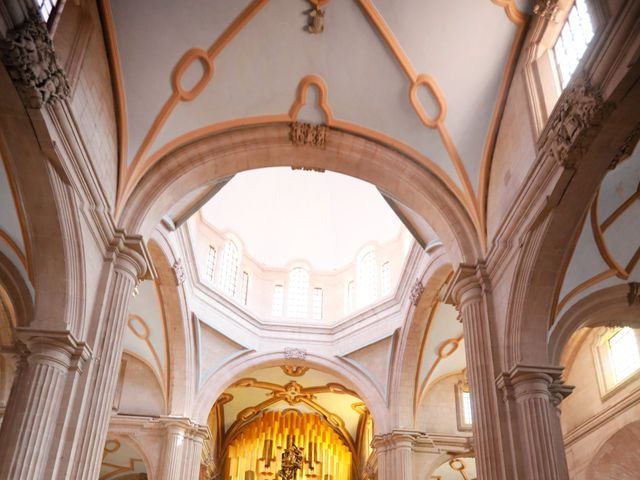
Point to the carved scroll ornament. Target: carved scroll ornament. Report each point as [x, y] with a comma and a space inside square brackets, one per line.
[30, 59]
[573, 123]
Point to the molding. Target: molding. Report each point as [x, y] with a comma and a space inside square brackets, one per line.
[604, 416]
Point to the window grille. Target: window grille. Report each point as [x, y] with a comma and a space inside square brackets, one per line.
[385, 278]
[229, 268]
[298, 293]
[211, 264]
[625, 355]
[367, 279]
[244, 291]
[317, 304]
[575, 36]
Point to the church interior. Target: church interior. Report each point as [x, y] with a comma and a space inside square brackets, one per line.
[320, 239]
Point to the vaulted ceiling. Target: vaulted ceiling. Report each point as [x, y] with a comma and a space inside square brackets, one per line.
[423, 74]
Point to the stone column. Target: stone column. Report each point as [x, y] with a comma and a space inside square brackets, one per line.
[172, 453]
[468, 294]
[193, 453]
[129, 265]
[394, 452]
[534, 394]
[34, 406]
[182, 450]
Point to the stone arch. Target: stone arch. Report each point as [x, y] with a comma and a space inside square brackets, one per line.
[218, 155]
[131, 442]
[54, 236]
[177, 327]
[410, 344]
[618, 456]
[600, 308]
[345, 372]
[15, 293]
[552, 220]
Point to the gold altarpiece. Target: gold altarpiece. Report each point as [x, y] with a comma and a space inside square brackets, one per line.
[255, 453]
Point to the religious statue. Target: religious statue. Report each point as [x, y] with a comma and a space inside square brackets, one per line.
[291, 462]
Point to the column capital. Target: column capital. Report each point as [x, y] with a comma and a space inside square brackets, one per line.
[60, 349]
[469, 282]
[396, 439]
[130, 253]
[529, 381]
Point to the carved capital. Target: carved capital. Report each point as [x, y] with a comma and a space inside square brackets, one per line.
[30, 59]
[308, 134]
[546, 9]
[573, 123]
[468, 284]
[524, 382]
[130, 253]
[59, 349]
[179, 272]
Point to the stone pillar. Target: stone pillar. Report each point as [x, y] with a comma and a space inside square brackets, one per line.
[394, 452]
[34, 406]
[91, 430]
[182, 450]
[534, 394]
[172, 456]
[193, 453]
[468, 294]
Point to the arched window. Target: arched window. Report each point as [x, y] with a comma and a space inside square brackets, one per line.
[244, 289]
[317, 304]
[278, 301]
[572, 43]
[47, 8]
[211, 264]
[229, 268]
[298, 293]
[385, 278]
[367, 280]
[624, 352]
[349, 296]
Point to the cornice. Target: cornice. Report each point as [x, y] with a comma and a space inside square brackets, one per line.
[604, 416]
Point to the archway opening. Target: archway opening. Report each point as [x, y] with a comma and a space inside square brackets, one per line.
[271, 414]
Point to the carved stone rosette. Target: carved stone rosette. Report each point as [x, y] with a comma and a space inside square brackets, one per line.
[30, 59]
[573, 123]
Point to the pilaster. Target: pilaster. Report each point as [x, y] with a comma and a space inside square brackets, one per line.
[395, 452]
[534, 393]
[34, 407]
[468, 291]
[130, 264]
[182, 450]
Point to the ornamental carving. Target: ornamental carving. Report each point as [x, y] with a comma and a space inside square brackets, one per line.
[573, 123]
[546, 9]
[294, 370]
[30, 59]
[309, 134]
[291, 353]
[627, 147]
[416, 292]
[179, 272]
[315, 22]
